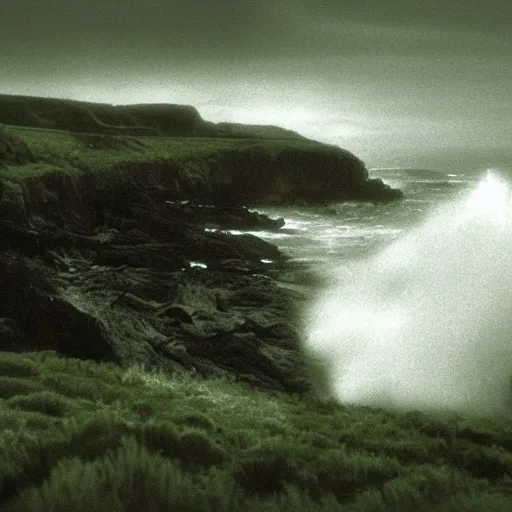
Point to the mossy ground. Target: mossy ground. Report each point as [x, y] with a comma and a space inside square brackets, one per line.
[77, 435]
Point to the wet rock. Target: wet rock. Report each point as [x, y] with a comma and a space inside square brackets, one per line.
[260, 322]
[377, 191]
[139, 255]
[178, 312]
[218, 216]
[122, 290]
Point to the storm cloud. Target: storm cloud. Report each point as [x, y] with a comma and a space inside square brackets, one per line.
[387, 80]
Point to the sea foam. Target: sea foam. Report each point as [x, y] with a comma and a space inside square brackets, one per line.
[426, 323]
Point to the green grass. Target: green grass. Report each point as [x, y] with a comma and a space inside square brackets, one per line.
[76, 153]
[77, 435]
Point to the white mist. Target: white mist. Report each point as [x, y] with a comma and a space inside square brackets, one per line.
[427, 323]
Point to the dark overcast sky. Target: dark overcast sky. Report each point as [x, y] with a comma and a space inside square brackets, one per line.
[385, 79]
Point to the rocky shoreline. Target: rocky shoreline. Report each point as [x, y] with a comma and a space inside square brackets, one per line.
[114, 248]
[176, 299]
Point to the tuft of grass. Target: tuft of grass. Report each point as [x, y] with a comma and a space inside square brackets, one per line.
[10, 386]
[12, 365]
[197, 449]
[78, 385]
[267, 468]
[45, 402]
[94, 436]
[476, 502]
[195, 419]
[128, 479]
[491, 462]
[192, 447]
[345, 474]
[143, 408]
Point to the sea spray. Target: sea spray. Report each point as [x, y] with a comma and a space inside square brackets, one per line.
[427, 323]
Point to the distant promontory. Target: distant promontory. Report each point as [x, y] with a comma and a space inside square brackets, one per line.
[171, 148]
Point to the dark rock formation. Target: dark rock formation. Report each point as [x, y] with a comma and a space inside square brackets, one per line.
[120, 286]
[376, 190]
[114, 247]
[292, 175]
[218, 216]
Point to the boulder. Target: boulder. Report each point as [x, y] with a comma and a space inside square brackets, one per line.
[376, 190]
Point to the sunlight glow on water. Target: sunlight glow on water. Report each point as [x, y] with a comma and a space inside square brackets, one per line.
[491, 197]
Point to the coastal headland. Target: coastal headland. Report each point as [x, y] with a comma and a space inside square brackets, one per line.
[105, 255]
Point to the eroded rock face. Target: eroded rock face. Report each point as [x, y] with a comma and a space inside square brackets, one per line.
[292, 176]
[130, 261]
[377, 191]
[126, 291]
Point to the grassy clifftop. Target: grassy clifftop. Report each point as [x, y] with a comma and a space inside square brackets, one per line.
[137, 119]
[173, 148]
[95, 152]
[236, 170]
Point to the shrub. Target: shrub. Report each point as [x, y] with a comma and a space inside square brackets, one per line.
[45, 402]
[10, 386]
[268, 467]
[12, 365]
[131, 479]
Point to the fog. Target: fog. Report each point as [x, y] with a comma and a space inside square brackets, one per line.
[390, 81]
[426, 323]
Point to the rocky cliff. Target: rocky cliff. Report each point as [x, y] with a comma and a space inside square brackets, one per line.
[103, 248]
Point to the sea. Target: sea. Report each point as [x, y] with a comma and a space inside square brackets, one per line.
[353, 230]
[410, 302]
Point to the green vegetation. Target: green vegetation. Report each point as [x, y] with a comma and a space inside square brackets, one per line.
[29, 152]
[77, 435]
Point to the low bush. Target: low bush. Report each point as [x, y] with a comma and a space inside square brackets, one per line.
[46, 402]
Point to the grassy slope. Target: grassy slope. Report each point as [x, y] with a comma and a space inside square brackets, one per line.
[76, 435]
[100, 152]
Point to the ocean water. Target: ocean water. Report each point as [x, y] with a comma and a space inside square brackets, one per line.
[414, 306]
[354, 230]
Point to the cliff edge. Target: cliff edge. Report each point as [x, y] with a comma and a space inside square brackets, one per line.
[173, 148]
[103, 248]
